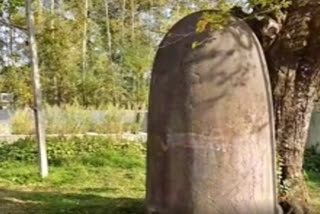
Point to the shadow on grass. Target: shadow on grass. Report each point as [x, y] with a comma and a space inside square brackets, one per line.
[25, 202]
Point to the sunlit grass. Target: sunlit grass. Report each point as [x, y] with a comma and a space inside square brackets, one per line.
[105, 177]
[111, 181]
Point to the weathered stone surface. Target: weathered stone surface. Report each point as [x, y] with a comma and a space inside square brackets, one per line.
[210, 128]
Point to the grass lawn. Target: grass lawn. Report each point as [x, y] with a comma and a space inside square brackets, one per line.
[314, 187]
[86, 177]
[108, 181]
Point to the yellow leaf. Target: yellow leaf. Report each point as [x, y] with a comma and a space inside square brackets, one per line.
[195, 44]
[201, 26]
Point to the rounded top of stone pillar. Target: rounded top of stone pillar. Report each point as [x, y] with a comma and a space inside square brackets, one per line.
[210, 126]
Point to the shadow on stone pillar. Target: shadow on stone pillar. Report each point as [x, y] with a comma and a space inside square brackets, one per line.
[210, 126]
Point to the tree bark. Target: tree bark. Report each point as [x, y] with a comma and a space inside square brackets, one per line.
[38, 110]
[11, 35]
[123, 19]
[40, 7]
[109, 38]
[7, 18]
[294, 64]
[52, 10]
[84, 48]
[54, 73]
[132, 20]
[60, 6]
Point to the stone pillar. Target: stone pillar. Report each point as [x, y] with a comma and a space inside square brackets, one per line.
[210, 126]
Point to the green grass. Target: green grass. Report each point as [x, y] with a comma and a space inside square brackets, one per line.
[87, 176]
[312, 167]
[110, 181]
[314, 187]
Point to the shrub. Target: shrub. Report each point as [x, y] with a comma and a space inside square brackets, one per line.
[88, 150]
[68, 120]
[23, 122]
[312, 160]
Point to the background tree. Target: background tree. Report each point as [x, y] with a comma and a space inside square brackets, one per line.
[120, 46]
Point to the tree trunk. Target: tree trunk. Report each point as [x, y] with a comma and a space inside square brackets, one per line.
[109, 38]
[11, 32]
[123, 19]
[52, 7]
[38, 110]
[84, 48]
[294, 64]
[40, 7]
[7, 17]
[132, 20]
[54, 73]
[60, 6]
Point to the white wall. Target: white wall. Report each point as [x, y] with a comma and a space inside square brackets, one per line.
[314, 129]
